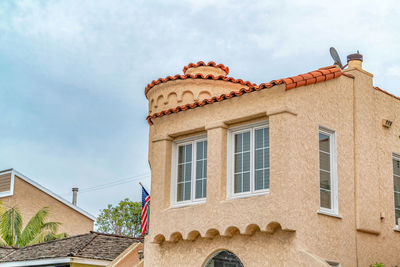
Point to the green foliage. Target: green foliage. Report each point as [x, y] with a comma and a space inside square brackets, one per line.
[36, 231]
[378, 265]
[122, 219]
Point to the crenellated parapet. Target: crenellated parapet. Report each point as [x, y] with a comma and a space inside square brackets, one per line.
[200, 81]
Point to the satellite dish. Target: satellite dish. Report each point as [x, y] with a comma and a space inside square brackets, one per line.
[335, 56]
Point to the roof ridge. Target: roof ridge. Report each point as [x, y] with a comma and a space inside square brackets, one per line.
[76, 252]
[209, 64]
[320, 75]
[115, 235]
[195, 76]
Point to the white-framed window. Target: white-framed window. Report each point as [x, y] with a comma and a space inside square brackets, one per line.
[396, 182]
[189, 171]
[328, 171]
[248, 160]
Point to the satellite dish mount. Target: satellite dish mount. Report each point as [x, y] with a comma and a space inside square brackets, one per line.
[336, 58]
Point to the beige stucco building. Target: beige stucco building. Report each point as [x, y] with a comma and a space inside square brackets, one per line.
[17, 190]
[300, 171]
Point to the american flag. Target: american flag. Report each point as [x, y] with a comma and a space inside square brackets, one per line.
[145, 210]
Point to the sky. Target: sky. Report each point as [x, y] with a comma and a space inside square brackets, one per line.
[73, 73]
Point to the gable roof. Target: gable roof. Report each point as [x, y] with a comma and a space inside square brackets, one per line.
[47, 191]
[93, 245]
[316, 76]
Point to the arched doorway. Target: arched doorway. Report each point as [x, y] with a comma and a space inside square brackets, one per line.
[224, 258]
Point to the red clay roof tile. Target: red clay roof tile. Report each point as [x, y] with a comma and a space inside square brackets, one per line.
[196, 76]
[210, 64]
[320, 75]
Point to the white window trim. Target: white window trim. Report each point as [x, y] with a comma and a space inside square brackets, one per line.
[11, 191]
[230, 160]
[395, 157]
[333, 177]
[174, 170]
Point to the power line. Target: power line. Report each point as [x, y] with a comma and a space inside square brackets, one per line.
[113, 183]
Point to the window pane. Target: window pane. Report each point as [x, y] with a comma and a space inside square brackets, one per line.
[188, 171]
[259, 159]
[325, 180]
[199, 150]
[259, 138]
[199, 189]
[259, 180]
[266, 158]
[246, 141]
[397, 200]
[199, 169]
[246, 182]
[205, 168]
[181, 153]
[396, 167]
[238, 142]
[179, 193]
[397, 214]
[238, 163]
[396, 181]
[180, 173]
[187, 190]
[238, 183]
[266, 177]
[325, 199]
[204, 187]
[188, 153]
[324, 161]
[324, 142]
[266, 136]
[246, 161]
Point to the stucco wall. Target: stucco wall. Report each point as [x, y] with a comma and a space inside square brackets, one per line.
[128, 258]
[349, 106]
[30, 199]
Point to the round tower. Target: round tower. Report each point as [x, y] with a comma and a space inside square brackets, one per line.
[199, 81]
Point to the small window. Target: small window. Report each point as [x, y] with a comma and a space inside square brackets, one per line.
[327, 171]
[396, 182]
[190, 171]
[249, 159]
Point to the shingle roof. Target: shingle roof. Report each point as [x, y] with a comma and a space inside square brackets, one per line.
[91, 246]
[320, 75]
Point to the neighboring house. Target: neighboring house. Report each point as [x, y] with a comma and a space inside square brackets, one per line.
[302, 171]
[91, 249]
[17, 190]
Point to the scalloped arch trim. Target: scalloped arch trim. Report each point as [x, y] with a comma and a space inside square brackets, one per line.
[230, 231]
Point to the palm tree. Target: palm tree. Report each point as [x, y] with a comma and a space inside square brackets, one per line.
[36, 231]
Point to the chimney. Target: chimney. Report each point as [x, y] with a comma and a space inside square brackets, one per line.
[74, 195]
[355, 61]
